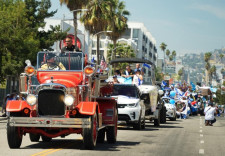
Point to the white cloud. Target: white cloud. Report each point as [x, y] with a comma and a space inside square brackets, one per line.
[217, 11]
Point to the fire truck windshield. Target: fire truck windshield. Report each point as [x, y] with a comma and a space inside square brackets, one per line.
[60, 61]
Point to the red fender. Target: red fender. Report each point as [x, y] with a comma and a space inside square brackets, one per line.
[16, 105]
[87, 108]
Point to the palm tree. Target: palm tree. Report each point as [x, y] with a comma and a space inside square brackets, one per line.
[174, 54]
[207, 66]
[167, 52]
[119, 22]
[73, 5]
[207, 56]
[171, 57]
[98, 18]
[221, 57]
[163, 47]
[212, 71]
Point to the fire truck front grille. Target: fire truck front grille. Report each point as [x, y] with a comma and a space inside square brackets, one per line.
[50, 102]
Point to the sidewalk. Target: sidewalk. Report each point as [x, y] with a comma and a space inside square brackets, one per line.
[1, 117]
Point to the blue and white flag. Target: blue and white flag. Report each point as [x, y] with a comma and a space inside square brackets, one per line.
[146, 65]
[163, 84]
[92, 61]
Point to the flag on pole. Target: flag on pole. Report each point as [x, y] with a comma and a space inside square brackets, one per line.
[147, 65]
[92, 61]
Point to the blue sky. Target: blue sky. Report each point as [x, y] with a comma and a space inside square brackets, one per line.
[186, 26]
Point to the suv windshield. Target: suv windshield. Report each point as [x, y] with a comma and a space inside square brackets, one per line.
[60, 61]
[130, 91]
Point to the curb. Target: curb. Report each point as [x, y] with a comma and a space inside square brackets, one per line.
[3, 118]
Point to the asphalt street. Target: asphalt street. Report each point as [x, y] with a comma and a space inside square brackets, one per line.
[188, 137]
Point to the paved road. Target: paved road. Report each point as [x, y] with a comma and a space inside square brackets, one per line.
[175, 138]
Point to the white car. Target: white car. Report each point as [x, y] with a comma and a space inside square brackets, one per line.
[170, 109]
[131, 109]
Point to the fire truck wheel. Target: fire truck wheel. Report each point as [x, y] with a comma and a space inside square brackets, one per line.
[101, 136]
[34, 137]
[14, 136]
[111, 132]
[46, 139]
[90, 134]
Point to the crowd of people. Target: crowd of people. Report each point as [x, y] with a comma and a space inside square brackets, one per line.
[189, 101]
[131, 76]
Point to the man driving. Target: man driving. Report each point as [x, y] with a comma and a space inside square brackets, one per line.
[52, 64]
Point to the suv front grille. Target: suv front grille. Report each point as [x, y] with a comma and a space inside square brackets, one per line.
[50, 102]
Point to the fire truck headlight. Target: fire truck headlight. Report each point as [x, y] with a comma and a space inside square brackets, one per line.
[69, 100]
[89, 71]
[30, 70]
[31, 99]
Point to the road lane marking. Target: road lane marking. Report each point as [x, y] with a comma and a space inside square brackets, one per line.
[200, 126]
[202, 141]
[201, 151]
[43, 152]
[200, 117]
[200, 131]
[201, 135]
[53, 150]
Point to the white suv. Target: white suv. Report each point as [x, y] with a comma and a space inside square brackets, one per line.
[170, 109]
[131, 109]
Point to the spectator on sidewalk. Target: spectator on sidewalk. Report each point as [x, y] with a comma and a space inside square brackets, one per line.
[209, 115]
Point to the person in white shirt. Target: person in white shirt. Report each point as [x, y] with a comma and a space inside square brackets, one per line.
[209, 114]
[138, 78]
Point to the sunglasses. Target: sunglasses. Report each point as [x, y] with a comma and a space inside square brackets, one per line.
[68, 41]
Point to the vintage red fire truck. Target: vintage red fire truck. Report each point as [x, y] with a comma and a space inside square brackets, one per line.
[69, 98]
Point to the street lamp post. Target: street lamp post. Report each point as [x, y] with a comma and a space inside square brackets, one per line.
[75, 23]
[108, 31]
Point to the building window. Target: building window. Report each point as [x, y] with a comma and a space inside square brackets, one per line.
[126, 34]
[101, 44]
[135, 33]
[93, 52]
[94, 44]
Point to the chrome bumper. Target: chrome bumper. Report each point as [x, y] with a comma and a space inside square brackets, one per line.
[50, 122]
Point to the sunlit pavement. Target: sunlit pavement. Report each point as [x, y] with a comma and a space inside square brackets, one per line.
[175, 138]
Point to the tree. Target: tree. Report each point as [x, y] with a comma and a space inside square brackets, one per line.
[221, 57]
[21, 37]
[171, 57]
[158, 75]
[119, 22]
[163, 47]
[212, 71]
[123, 51]
[174, 54]
[74, 5]
[207, 56]
[167, 53]
[207, 65]
[98, 18]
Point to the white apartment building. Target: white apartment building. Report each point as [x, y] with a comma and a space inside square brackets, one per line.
[139, 38]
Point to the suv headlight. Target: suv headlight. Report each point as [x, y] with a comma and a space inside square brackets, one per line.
[31, 99]
[132, 104]
[69, 100]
